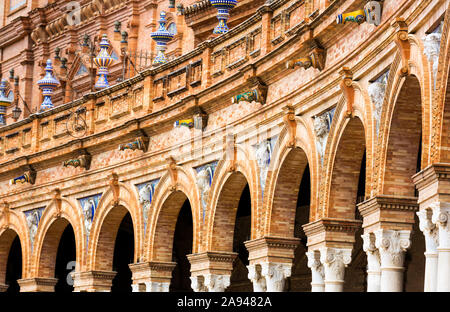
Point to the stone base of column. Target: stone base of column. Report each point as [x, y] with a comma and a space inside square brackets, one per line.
[211, 270]
[93, 281]
[271, 261]
[37, 284]
[3, 288]
[151, 276]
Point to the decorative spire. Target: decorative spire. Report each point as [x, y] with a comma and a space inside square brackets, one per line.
[103, 61]
[4, 102]
[161, 36]
[48, 84]
[223, 7]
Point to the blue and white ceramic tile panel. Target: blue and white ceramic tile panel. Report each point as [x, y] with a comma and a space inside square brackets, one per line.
[33, 218]
[146, 191]
[82, 70]
[264, 152]
[205, 175]
[89, 205]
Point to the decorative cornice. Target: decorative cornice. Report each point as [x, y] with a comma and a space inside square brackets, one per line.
[212, 256]
[431, 174]
[386, 202]
[272, 242]
[331, 225]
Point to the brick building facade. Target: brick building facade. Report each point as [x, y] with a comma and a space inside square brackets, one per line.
[292, 153]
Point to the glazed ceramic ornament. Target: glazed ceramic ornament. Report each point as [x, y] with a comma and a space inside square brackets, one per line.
[249, 96]
[5, 102]
[162, 36]
[48, 84]
[223, 8]
[184, 122]
[103, 61]
[355, 17]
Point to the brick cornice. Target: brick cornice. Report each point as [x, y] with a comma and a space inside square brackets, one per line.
[272, 242]
[212, 256]
[97, 275]
[152, 266]
[431, 174]
[15, 31]
[37, 281]
[386, 202]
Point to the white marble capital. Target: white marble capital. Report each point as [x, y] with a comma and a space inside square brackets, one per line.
[441, 214]
[275, 275]
[254, 275]
[373, 262]
[335, 260]
[210, 283]
[392, 245]
[317, 272]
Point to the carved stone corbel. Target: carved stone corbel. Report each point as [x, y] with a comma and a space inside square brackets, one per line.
[114, 183]
[403, 44]
[230, 151]
[58, 202]
[291, 124]
[315, 57]
[200, 118]
[4, 214]
[348, 90]
[173, 172]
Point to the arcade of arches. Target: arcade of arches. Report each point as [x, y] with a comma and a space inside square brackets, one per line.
[339, 181]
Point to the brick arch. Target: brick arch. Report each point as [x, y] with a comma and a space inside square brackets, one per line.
[107, 218]
[404, 122]
[221, 199]
[48, 236]
[338, 148]
[346, 169]
[420, 71]
[15, 225]
[440, 145]
[168, 199]
[283, 180]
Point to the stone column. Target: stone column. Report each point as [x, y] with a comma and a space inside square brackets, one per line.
[211, 270]
[441, 214]
[93, 281]
[317, 283]
[373, 263]
[334, 261]
[37, 284]
[151, 276]
[392, 245]
[430, 232]
[270, 262]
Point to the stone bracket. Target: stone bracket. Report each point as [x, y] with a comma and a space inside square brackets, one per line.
[314, 57]
[348, 89]
[403, 44]
[28, 176]
[140, 143]
[291, 124]
[83, 160]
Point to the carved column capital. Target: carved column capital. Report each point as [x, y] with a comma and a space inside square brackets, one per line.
[335, 260]
[441, 217]
[151, 276]
[392, 245]
[373, 255]
[255, 276]
[429, 229]
[317, 270]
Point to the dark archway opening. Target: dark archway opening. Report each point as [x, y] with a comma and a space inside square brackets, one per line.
[65, 261]
[14, 266]
[300, 279]
[123, 255]
[242, 230]
[182, 246]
